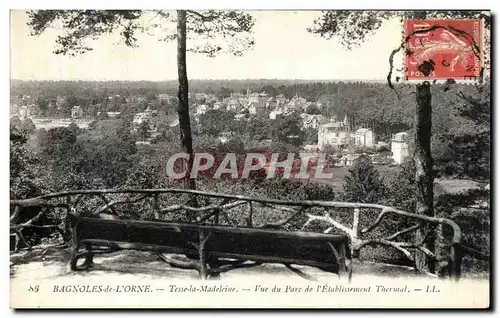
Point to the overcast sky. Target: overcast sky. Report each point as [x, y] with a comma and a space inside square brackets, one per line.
[284, 50]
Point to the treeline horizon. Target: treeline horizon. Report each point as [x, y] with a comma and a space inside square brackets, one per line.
[311, 90]
[171, 87]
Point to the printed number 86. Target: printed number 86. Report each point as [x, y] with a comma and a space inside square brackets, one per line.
[33, 289]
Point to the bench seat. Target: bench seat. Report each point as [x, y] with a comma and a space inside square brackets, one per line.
[210, 243]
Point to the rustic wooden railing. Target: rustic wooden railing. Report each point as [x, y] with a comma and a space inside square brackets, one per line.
[236, 210]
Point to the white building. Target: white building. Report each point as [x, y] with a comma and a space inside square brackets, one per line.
[233, 105]
[255, 108]
[297, 103]
[139, 118]
[399, 147]
[349, 159]
[76, 112]
[113, 114]
[364, 137]
[201, 109]
[24, 112]
[335, 134]
[145, 116]
[276, 113]
[165, 97]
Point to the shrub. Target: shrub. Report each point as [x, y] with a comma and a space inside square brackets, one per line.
[363, 183]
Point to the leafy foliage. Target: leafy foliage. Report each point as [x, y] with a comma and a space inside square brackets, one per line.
[363, 183]
[288, 129]
[402, 187]
[469, 141]
[352, 27]
[26, 174]
[213, 28]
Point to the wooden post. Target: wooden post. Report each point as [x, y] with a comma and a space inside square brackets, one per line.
[203, 256]
[217, 217]
[156, 207]
[250, 214]
[424, 177]
[355, 232]
[89, 255]
[455, 262]
[74, 240]
[67, 237]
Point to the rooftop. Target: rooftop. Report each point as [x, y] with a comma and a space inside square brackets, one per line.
[363, 130]
[334, 125]
[401, 137]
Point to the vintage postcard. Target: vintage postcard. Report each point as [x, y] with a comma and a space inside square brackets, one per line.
[250, 159]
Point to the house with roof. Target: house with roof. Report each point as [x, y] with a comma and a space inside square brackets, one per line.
[165, 97]
[139, 118]
[150, 116]
[256, 108]
[399, 147]
[334, 134]
[276, 113]
[76, 112]
[240, 117]
[312, 121]
[234, 105]
[281, 100]
[270, 103]
[364, 137]
[349, 159]
[201, 109]
[24, 112]
[297, 103]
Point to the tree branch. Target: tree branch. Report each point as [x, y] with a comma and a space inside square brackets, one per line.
[218, 270]
[283, 222]
[113, 203]
[396, 245]
[412, 228]
[300, 273]
[328, 219]
[178, 263]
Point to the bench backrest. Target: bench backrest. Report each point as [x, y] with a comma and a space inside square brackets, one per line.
[307, 248]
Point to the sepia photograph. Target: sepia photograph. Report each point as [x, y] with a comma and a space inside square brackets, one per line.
[250, 158]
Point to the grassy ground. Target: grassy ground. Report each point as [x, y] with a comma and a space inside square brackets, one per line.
[339, 173]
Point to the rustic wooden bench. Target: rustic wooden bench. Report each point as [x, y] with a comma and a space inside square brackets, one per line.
[212, 249]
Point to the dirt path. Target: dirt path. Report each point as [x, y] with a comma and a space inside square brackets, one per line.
[52, 263]
[48, 270]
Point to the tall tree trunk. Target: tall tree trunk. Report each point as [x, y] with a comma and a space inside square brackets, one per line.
[183, 107]
[424, 171]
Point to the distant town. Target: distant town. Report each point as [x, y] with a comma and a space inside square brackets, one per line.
[332, 134]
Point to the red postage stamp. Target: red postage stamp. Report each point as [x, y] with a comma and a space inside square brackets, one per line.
[443, 49]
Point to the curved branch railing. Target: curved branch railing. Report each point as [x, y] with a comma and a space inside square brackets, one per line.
[215, 212]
